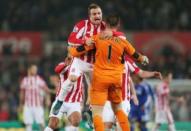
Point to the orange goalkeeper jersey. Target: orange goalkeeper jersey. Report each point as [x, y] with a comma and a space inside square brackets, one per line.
[109, 56]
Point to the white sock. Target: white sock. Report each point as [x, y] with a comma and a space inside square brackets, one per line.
[66, 87]
[71, 128]
[28, 127]
[48, 129]
[172, 127]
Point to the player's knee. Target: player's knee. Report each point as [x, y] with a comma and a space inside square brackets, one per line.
[73, 78]
[108, 125]
[97, 110]
[116, 107]
[75, 118]
[53, 122]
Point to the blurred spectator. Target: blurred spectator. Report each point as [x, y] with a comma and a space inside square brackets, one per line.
[56, 16]
[4, 112]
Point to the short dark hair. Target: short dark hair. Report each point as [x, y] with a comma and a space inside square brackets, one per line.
[93, 6]
[165, 73]
[113, 20]
[31, 65]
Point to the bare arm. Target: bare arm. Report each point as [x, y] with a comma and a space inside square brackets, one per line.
[149, 74]
[133, 92]
[47, 90]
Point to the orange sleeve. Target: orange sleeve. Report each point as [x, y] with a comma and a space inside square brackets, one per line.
[129, 48]
[73, 51]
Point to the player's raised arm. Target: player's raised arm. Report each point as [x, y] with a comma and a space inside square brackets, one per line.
[129, 49]
[149, 74]
[80, 50]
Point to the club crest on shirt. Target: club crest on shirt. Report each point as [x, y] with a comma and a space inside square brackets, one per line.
[75, 29]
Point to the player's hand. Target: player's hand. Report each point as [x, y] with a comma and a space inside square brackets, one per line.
[157, 75]
[135, 100]
[144, 60]
[89, 41]
[68, 60]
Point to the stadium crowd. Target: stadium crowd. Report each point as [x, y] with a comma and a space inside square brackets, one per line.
[53, 15]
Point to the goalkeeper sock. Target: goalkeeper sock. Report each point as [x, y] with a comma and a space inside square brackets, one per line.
[98, 123]
[123, 121]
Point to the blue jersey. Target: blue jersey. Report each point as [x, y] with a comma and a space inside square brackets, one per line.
[148, 105]
[145, 96]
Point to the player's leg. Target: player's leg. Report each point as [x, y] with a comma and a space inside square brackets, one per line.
[156, 127]
[28, 118]
[52, 124]
[115, 96]
[121, 116]
[39, 116]
[126, 109]
[54, 119]
[76, 70]
[143, 126]
[159, 119]
[143, 118]
[98, 97]
[171, 125]
[108, 116]
[74, 116]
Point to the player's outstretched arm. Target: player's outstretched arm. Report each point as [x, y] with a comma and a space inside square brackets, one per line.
[149, 74]
[129, 49]
[80, 50]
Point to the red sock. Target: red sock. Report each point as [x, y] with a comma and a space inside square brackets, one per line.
[123, 120]
[98, 123]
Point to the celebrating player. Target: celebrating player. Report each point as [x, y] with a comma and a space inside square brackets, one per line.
[128, 90]
[82, 64]
[71, 105]
[108, 69]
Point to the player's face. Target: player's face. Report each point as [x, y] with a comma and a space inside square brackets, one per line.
[33, 70]
[95, 16]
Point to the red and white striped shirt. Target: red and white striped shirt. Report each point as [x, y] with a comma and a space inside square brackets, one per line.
[75, 94]
[162, 92]
[84, 29]
[33, 87]
[130, 67]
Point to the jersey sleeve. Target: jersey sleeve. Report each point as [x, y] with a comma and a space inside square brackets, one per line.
[129, 49]
[58, 69]
[73, 51]
[42, 83]
[76, 36]
[132, 66]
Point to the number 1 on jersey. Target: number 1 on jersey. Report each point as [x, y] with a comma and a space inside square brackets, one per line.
[109, 53]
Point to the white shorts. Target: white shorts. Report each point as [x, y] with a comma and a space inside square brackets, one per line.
[79, 67]
[163, 116]
[108, 114]
[32, 114]
[66, 108]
